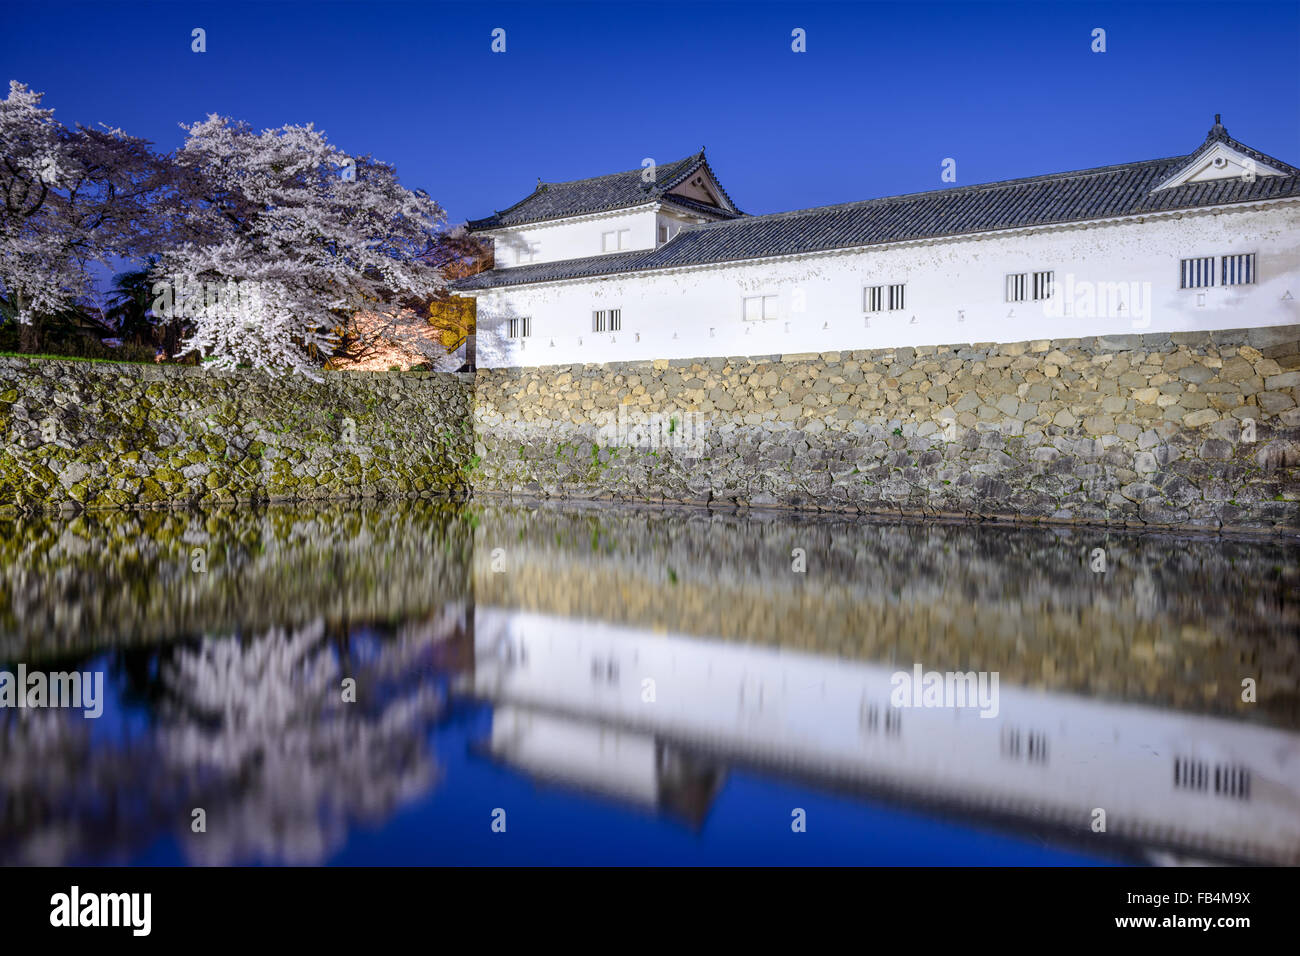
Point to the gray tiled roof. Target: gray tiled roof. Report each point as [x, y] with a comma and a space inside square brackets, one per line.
[1102, 193]
[603, 193]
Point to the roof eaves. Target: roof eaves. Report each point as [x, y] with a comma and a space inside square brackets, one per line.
[692, 205]
[654, 260]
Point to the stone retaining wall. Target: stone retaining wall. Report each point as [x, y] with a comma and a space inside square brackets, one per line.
[1142, 430]
[1186, 430]
[99, 435]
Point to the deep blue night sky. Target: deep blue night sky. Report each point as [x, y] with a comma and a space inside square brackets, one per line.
[883, 95]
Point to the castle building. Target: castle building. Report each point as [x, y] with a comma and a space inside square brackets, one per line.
[660, 263]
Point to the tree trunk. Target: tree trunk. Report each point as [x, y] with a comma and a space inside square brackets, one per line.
[171, 342]
[29, 337]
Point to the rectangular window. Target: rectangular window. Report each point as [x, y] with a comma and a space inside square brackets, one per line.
[878, 298]
[614, 240]
[1196, 273]
[520, 327]
[526, 253]
[1238, 269]
[1042, 285]
[1017, 284]
[663, 233]
[759, 307]
[607, 320]
[1035, 285]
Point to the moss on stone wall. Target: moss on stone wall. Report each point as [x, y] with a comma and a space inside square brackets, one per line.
[1188, 430]
[87, 436]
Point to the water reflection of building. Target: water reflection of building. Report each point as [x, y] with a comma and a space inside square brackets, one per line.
[1173, 623]
[572, 706]
[628, 765]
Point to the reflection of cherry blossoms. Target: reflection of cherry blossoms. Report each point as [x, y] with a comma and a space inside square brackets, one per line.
[261, 728]
[254, 731]
[63, 797]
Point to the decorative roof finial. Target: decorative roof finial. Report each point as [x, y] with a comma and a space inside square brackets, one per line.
[1218, 119]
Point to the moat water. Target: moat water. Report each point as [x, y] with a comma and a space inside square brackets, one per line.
[480, 683]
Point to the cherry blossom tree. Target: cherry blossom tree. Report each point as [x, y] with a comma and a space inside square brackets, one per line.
[68, 198]
[296, 239]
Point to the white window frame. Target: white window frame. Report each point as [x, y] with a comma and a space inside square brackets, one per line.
[527, 253]
[766, 308]
[618, 238]
[1042, 284]
[889, 297]
[1030, 286]
[1017, 286]
[519, 327]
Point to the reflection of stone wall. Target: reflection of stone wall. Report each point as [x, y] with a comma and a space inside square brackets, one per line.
[1173, 621]
[82, 434]
[114, 578]
[1141, 429]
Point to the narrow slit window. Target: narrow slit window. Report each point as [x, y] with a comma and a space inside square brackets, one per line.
[1016, 283]
[1043, 285]
[1196, 273]
[1238, 269]
[881, 298]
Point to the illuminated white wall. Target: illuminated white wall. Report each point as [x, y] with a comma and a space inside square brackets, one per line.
[955, 292]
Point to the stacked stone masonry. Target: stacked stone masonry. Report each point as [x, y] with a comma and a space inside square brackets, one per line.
[1196, 430]
[83, 435]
